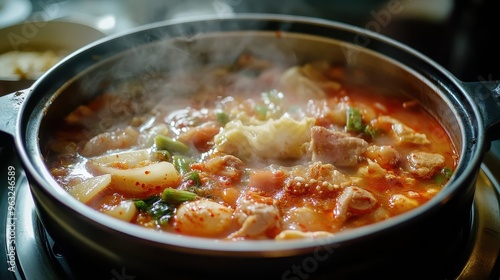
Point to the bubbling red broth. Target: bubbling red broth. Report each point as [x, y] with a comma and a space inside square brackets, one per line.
[252, 151]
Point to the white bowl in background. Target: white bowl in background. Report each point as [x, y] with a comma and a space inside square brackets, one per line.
[30, 48]
[14, 11]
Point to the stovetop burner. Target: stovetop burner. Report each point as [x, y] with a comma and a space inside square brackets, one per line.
[30, 253]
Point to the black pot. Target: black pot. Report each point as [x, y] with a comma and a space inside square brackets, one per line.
[412, 243]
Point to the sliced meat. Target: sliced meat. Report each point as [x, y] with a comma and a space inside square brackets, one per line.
[256, 214]
[317, 179]
[403, 134]
[337, 148]
[372, 171]
[425, 165]
[228, 166]
[383, 155]
[353, 201]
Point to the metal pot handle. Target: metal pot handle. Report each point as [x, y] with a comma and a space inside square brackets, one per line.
[9, 110]
[486, 95]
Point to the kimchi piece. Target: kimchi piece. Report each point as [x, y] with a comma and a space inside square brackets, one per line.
[252, 151]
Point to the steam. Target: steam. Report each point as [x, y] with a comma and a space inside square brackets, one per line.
[157, 65]
[161, 72]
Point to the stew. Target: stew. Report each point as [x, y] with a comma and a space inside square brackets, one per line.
[252, 150]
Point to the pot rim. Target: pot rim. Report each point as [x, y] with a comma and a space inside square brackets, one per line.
[41, 180]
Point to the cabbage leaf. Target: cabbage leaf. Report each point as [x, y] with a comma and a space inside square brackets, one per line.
[284, 138]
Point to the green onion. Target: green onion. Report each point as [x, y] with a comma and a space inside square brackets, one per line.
[354, 120]
[222, 118]
[141, 205]
[194, 177]
[162, 155]
[177, 196]
[163, 142]
[182, 163]
[371, 131]
[443, 175]
[160, 211]
[260, 111]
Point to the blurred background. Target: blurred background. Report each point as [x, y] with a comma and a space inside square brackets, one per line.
[459, 35]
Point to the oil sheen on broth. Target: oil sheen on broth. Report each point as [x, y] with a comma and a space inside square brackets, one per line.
[252, 151]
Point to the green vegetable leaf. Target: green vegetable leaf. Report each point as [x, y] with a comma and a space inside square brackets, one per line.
[354, 120]
[159, 210]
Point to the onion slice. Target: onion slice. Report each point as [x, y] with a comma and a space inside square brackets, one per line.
[124, 211]
[139, 182]
[89, 188]
[131, 158]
